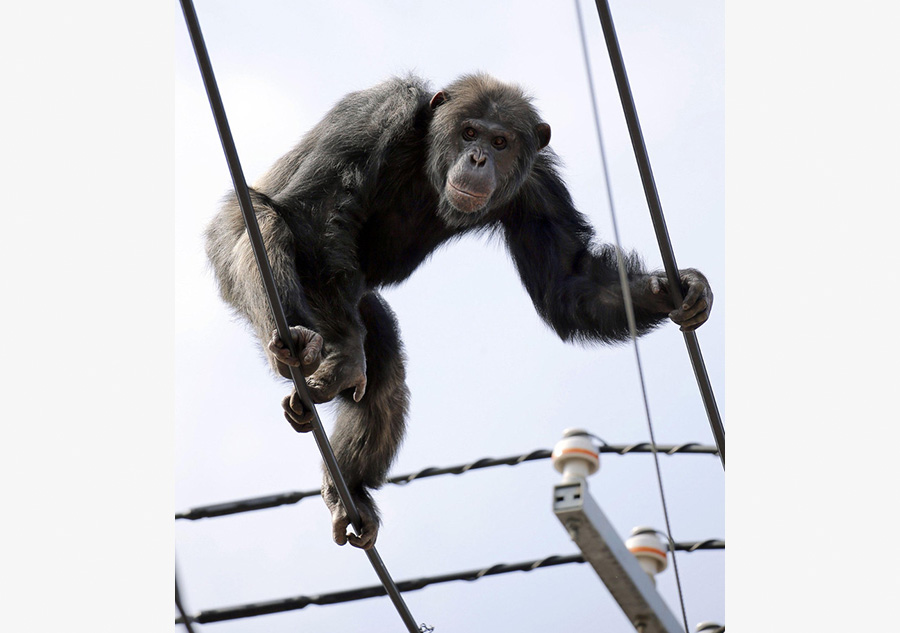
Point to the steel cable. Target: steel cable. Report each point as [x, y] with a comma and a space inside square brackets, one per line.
[288, 498]
[672, 273]
[259, 252]
[656, 214]
[299, 602]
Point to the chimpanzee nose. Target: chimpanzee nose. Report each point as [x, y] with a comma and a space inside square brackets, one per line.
[478, 157]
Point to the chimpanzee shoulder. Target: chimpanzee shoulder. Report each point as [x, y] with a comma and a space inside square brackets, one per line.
[353, 140]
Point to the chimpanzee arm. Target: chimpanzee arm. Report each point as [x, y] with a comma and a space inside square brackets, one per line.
[231, 256]
[575, 286]
[230, 253]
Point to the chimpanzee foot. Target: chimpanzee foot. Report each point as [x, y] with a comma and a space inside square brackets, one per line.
[340, 522]
[336, 373]
[297, 415]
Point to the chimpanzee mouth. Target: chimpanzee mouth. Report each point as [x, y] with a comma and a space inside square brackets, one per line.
[465, 201]
[466, 193]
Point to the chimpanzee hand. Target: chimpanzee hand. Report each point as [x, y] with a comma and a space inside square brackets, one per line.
[340, 369]
[309, 344]
[696, 304]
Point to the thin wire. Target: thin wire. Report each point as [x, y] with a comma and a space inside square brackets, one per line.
[629, 307]
[265, 270]
[659, 223]
[185, 618]
[374, 591]
[287, 498]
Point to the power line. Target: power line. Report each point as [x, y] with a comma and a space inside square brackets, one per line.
[693, 547]
[288, 498]
[656, 215]
[618, 64]
[374, 591]
[388, 586]
[265, 270]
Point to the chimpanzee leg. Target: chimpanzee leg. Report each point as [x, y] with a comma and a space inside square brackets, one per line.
[368, 433]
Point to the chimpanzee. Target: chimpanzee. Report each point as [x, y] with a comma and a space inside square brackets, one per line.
[389, 175]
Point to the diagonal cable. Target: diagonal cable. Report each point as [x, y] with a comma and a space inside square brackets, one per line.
[656, 215]
[626, 291]
[185, 619]
[259, 252]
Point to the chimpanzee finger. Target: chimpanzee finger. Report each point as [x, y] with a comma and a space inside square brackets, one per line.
[369, 524]
[281, 352]
[695, 291]
[296, 414]
[310, 345]
[300, 427]
[298, 408]
[697, 308]
[694, 322]
[366, 541]
[685, 317]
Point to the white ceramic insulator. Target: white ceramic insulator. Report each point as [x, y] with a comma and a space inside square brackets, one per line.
[575, 456]
[648, 549]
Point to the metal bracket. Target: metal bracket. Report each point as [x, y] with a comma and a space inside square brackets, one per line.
[617, 567]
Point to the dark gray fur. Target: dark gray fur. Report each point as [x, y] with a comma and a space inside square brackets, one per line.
[362, 201]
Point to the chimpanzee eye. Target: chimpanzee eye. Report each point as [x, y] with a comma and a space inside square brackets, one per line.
[470, 133]
[499, 142]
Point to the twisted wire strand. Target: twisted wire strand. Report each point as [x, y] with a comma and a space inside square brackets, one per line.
[299, 602]
[711, 543]
[288, 498]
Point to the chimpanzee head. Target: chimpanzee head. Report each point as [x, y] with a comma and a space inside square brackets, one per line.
[482, 141]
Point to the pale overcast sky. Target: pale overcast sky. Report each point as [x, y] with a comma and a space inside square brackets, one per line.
[125, 377]
[488, 378]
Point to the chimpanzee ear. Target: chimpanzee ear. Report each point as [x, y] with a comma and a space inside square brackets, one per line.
[438, 99]
[543, 133]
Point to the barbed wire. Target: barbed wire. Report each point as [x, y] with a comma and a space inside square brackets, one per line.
[374, 591]
[286, 498]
